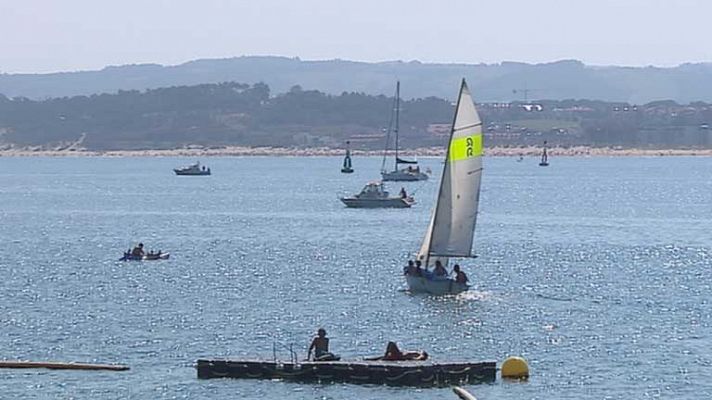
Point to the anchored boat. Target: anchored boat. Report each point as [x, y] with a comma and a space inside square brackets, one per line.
[452, 223]
[145, 257]
[401, 373]
[374, 195]
[192, 170]
[410, 173]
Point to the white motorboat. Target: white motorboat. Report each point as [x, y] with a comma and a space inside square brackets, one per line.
[192, 170]
[374, 195]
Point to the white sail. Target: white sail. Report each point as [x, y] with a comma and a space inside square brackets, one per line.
[452, 224]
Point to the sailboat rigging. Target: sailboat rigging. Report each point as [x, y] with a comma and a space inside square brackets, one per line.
[409, 173]
[452, 223]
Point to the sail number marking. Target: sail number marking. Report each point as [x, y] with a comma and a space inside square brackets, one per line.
[466, 147]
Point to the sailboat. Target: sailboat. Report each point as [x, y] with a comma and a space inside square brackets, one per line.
[452, 223]
[544, 158]
[347, 168]
[410, 173]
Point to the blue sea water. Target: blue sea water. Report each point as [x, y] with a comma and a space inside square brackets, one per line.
[596, 270]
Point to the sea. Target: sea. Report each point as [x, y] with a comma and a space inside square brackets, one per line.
[596, 270]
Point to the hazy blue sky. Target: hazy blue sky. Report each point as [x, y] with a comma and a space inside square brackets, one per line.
[58, 35]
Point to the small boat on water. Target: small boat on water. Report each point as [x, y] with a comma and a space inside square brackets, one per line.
[374, 195]
[347, 168]
[410, 173]
[452, 223]
[146, 257]
[395, 373]
[192, 170]
[544, 157]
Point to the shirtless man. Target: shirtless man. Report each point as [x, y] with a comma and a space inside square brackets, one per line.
[460, 276]
[439, 269]
[320, 345]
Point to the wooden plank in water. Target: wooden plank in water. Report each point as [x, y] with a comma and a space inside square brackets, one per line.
[62, 365]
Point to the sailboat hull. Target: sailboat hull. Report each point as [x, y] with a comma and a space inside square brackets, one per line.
[421, 284]
[393, 202]
[403, 176]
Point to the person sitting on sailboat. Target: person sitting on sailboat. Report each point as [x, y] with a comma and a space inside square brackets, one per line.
[460, 276]
[410, 269]
[439, 270]
[320, 345]
[393, 353]
[419, 267]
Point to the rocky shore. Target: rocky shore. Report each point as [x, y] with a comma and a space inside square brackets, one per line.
[579, 151]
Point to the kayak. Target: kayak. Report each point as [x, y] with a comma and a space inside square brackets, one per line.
[145, 257]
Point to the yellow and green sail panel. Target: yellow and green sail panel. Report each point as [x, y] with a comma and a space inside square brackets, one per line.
[465, 147]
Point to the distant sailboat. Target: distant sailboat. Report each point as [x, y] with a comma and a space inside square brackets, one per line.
[409, 173]
[452, 224]
[544, 158]
[347, 168]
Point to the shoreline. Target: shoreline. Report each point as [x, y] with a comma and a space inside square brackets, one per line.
[239, 151]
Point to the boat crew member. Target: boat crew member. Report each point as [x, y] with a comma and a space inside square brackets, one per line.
[418, 269]
[410, 269]
[138, 251]
[460, 276]
[439, 269]
[320, 345]
[403, 194]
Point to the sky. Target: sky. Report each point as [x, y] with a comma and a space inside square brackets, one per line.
[69, 35]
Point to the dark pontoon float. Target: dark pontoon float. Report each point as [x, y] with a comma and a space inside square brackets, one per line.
[397, 373]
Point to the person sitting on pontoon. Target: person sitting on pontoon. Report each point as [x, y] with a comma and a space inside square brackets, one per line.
[393, 353]
[460, 276]
[320, 345]
[439, 270]
[138, 251]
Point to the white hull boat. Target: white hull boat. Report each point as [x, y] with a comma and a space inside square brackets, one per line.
[404, 175]
[409, 174]
[373, 195]
[192, 170]
[438, 287]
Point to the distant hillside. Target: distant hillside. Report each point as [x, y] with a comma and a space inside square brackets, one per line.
[214, 115]
[495, 82]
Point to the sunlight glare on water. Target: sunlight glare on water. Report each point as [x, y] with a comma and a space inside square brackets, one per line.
[596, 270]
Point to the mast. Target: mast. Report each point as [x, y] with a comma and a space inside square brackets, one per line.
[397, 122]
[445, 171]
[388, 132]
